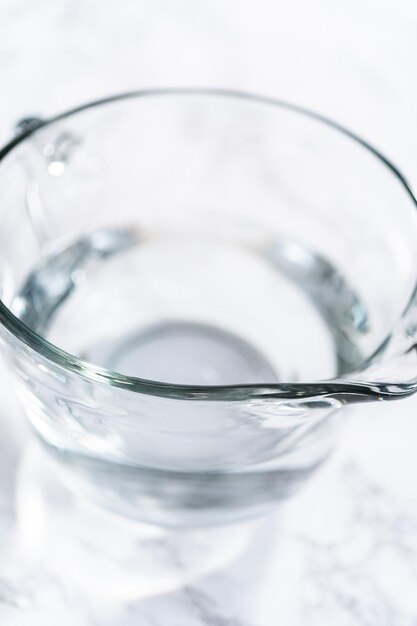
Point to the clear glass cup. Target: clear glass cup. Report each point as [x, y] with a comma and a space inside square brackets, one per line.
[193, 283]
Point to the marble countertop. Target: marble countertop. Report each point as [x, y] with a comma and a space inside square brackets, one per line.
[345, 550]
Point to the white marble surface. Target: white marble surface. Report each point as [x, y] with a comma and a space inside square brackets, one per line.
[343, 552]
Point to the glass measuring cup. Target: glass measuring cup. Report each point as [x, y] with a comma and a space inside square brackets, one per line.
[193, 283]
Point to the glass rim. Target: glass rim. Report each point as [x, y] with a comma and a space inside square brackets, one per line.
[335, 388]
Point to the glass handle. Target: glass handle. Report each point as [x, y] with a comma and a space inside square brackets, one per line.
[51, 156]
[27, 125]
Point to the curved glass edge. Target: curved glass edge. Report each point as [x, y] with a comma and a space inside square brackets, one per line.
[345, 391]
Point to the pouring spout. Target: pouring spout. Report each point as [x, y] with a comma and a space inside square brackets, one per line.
[391, 372]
